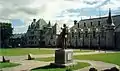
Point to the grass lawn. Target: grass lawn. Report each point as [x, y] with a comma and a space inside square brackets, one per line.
[24, 51]
[8, 64]
[79, 65]
[106, 57]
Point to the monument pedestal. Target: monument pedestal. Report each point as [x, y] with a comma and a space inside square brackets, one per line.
[63, 57]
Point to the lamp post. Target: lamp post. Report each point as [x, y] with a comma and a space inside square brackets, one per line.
[76, 37]
[39, 42]
[99, 42]
[82, 37]
[98, 39]
[105, 42]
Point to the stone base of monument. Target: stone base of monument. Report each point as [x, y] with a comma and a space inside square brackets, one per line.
[63, 58]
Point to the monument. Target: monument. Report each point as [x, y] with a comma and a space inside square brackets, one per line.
[63, 56]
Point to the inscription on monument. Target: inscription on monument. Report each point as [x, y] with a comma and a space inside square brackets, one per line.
[69, 57]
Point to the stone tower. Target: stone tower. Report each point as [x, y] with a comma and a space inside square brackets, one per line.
[110, 27]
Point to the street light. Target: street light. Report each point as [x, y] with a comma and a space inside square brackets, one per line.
[98, 39]
[79, 35]
[89, 37]
[76, 37]
[82, 37]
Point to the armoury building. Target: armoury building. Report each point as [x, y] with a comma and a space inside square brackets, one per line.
[102, 32]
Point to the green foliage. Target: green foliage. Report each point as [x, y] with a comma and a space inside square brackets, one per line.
[69, 69]
[7, 64]
[6, 32]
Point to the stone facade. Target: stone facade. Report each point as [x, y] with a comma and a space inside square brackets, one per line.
[96, 32]
[103, 32]
[40, 33]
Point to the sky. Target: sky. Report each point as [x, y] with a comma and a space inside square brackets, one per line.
[21, 12]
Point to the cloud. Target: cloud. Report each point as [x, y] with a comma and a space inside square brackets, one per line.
[61, 11]
[113, 4]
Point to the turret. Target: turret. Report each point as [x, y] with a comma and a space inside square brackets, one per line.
[75, 22]
[110, 41]
[34, 20]
[49, 24]
[110, 24]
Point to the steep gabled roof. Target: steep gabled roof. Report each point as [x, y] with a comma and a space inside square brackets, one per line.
[41, 23]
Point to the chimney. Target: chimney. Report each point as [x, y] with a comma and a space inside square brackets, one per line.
[34, 20]
[75, 22]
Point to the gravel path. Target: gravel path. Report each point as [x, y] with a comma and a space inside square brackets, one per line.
[99, 65]
[27, 65]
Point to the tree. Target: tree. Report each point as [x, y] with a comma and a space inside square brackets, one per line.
[5, 33]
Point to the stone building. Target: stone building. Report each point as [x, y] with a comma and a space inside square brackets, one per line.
[51, 35]
[16, 40]
[40, 33]
[95, 32]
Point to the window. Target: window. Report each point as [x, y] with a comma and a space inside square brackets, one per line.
[51, 36]
[72, 34]
[84, 24]
[91, 23]
[98, 23]
[102, 33]
[94, 34]
[32, 32]
[32, 37]
[86, 33]
[78, 25]
[35, 42]
[79, 34]
[29, 42]
[35, 37]
[29, 37]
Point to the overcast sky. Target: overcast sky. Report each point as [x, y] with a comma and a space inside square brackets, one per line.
[21, 12]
